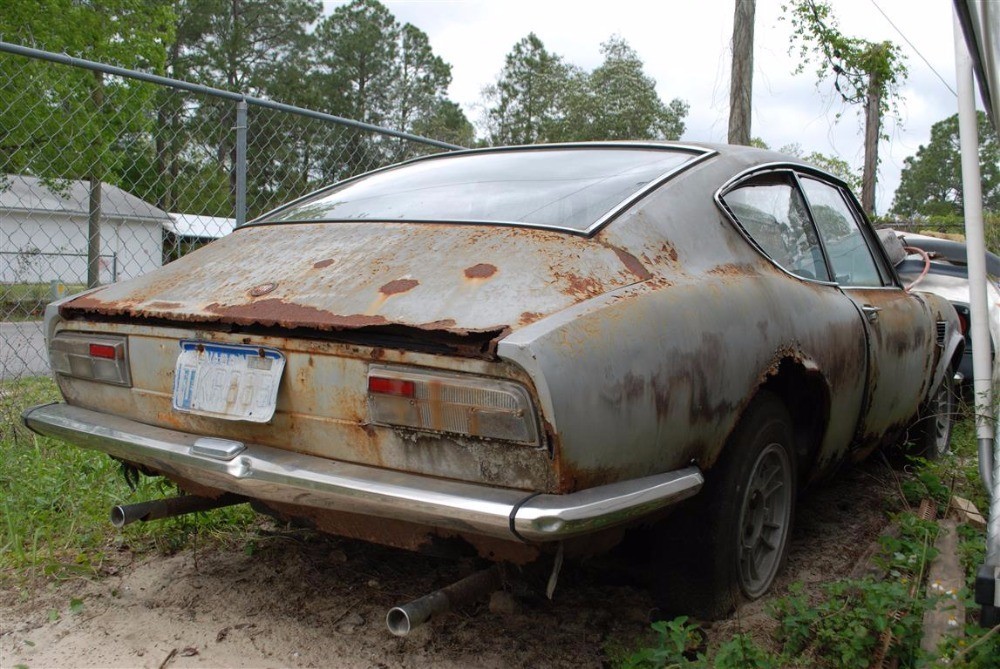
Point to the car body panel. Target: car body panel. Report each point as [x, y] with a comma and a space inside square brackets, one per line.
[343, 276]
[894, 369]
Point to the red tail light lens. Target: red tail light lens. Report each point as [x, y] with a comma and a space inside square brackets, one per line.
[105, 351]
[397, 387]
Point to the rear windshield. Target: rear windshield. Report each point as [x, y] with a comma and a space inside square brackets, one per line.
[567, 188]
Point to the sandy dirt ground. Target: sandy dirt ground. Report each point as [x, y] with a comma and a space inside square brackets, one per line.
[303, 600]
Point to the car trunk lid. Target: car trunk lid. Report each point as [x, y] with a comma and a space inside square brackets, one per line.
[456, 282]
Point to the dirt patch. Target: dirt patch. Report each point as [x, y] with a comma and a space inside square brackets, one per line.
[303, 600]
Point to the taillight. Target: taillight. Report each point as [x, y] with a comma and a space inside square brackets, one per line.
[963, 319]
[96, 357]
[462, 404]
[106, 351]
[381, 385]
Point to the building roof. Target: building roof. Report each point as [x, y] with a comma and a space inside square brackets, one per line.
[200, 227]
[64, 196]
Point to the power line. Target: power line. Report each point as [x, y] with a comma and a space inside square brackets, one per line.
[915, 49]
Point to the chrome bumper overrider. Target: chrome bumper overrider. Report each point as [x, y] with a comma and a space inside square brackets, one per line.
[280, 476]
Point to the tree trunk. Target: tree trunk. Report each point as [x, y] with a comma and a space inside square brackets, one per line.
[873, 119]
[741, 78]
[95, 177]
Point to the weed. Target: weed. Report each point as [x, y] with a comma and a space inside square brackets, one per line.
[843, 627]
[55, 498]
[679, 643]
[905, 556]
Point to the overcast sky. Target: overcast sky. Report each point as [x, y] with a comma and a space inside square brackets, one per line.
[685, 46]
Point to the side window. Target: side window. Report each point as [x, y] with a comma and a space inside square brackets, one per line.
[845, 244]
[772, 211]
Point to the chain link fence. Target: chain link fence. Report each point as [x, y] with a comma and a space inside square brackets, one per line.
[106, 174]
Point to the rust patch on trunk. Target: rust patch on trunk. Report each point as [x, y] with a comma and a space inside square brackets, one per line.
[276, 312]
[398, 286]
[632, 263]
[445, 324]
[164, 305]
[579, 286]
[323, 263]
[480, 271]
[529, 317]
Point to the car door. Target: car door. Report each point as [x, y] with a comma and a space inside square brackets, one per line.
[898, 325]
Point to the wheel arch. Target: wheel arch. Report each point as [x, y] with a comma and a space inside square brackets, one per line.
[805, 392]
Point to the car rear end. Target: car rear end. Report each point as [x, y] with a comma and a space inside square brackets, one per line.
[346, 373]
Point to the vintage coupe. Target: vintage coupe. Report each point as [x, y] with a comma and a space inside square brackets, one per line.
[523, 348]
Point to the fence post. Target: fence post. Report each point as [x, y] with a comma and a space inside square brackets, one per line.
[94, 230]
[241, 162]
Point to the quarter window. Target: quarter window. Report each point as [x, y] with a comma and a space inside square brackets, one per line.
[771, 210]
[849, 253]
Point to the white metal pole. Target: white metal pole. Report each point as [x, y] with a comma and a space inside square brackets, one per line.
[972, 202]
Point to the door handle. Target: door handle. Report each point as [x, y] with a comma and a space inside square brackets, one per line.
[871, 312]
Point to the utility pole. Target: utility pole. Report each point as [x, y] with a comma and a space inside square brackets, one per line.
[741, 79]
[873, 120]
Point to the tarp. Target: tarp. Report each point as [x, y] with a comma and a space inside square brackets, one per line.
[980, 21]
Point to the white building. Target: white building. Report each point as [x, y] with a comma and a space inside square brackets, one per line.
[198, 228]
[43, 232]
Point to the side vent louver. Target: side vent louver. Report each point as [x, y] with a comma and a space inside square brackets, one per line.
[942, 330]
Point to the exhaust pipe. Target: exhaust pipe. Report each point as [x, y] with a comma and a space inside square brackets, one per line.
[401, 620]
[123, 514]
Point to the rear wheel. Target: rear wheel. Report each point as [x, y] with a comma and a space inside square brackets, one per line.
[932, 433]
[734, 540]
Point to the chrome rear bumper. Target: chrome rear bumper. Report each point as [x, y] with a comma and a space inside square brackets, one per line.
[280, 476]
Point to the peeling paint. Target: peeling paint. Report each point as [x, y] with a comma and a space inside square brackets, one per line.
[480, 271]
[398, 286]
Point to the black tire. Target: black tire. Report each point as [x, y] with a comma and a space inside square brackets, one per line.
[931, 434]
[989, 616]
[704, 558]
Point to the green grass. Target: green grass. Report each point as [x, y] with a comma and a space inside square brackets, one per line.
[55, 499]
[26, 301]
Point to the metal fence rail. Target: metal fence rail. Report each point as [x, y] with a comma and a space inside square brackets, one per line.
[107, 173]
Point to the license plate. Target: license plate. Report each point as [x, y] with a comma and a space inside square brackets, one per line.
[227, 380]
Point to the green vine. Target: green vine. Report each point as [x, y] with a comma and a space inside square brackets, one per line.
[856, 64]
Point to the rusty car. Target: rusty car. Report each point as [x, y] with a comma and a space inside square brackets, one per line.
[526, 351]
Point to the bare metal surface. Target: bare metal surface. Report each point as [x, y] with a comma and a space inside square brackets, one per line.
[157, 509]
[403, 619]
[272, 474]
